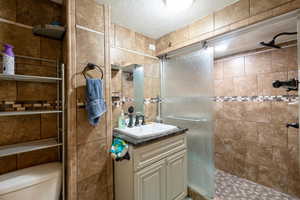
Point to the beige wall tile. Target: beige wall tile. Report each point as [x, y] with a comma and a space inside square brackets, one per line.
[265, 82]
[8, 9]
[202, 26]
[50, 49]
[233, 110]
[152, 70]
[218, 110]
[123, 58]
[28, 128]
[112, 35]
[8, 90]
[294, 187]
[48, 125]
[260, 17]
[125, 38]
[284, 59]
[90, 14]
[93, 188]
[116, 112]
[245, 85]
[22, 39]
[36, 91]
[257, 112]
[86, 132]
[272, 177]
[8, 128]
[218, 70]
[151, 87]
[90, 48]
[258, 6]
[258, 63]
[163, 43]
[8, 164]
[37, 157]
[281, 158]
[179, 36]
[272, 134]
[91, 156]
[33, 12]
[234, 67]
[285, 8]
[142, 44]
[116, 81]
[232, 13]
[224, 87]
[151, 112]
[19, 129]
[259, 155]
[282, 113]
[239, 24]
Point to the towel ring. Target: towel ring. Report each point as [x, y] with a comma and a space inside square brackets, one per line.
[91, 66]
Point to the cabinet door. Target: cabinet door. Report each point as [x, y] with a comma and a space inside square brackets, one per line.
[177, 176]
[150, 183]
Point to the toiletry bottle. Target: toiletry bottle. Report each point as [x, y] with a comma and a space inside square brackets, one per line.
[8, 60]
[121, 120]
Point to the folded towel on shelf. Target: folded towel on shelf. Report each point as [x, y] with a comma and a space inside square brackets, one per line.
[95, 104]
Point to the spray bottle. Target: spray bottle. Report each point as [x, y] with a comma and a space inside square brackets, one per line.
[8, 60]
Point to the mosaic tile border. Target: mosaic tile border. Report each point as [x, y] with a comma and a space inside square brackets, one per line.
[282, 98]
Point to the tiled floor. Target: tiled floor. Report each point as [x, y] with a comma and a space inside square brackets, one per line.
[229, 187]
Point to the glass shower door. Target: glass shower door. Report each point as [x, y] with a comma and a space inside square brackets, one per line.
[186, 102]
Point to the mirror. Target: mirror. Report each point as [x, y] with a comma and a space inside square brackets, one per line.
[133, 85]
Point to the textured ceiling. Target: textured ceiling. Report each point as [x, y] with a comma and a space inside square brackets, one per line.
[151, 18]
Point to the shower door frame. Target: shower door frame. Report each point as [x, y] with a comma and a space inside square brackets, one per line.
[185, 51]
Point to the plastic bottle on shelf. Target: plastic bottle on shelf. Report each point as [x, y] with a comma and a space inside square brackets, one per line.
[121, 121]
[8, 60]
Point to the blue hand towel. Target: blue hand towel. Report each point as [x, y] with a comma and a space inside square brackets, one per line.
[96, 105]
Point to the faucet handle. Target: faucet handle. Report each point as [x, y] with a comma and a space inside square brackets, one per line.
[294, 125]
[143, 119]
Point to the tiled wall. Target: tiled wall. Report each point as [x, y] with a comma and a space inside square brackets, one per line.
[92, 163]
[129, 47]
[27, 128]
[251, 138]
[232, 17]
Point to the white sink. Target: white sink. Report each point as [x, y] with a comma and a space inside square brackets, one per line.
[146, 131]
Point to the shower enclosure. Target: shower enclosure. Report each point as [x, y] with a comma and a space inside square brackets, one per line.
[186, 102]
[243, 139]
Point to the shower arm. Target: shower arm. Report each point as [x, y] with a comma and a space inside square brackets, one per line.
[280, 34]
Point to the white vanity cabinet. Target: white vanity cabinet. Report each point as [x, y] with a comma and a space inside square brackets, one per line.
[156, 171]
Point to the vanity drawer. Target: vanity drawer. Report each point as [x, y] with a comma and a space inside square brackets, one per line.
[146, 155]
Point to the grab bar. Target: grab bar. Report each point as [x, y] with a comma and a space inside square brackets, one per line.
[188, 119]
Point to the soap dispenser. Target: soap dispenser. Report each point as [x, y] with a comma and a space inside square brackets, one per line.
[121, 121]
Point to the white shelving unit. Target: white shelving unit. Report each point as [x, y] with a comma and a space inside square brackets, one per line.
[8, 150]
[2, 114]
[27, 78]
[58, 141]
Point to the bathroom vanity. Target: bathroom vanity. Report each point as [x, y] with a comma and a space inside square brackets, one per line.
[157, 169]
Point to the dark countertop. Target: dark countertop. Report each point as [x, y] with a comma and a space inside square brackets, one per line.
[139, 142]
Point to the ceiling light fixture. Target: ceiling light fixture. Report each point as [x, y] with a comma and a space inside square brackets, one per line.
[178, 5]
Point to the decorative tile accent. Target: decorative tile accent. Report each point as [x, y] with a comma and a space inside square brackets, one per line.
[283, 98]
[229, 187]
[28, 105]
